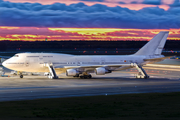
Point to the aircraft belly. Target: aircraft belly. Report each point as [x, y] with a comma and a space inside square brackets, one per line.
[31, 68]
[124, 68]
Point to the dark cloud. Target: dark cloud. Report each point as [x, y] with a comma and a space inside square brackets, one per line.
[81, 15]
[122, 3]
[153, 11]
[152, 2]
[176, 3]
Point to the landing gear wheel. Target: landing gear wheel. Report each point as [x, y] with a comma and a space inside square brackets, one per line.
[89, 76]
[85, 76]
[82, 77]
[21, 76]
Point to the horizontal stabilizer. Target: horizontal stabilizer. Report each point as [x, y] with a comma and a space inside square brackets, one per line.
[158, 59]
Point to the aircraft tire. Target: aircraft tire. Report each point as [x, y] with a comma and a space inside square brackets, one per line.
[85, 76]
[82, 77]
[21, 76]
[89, 76]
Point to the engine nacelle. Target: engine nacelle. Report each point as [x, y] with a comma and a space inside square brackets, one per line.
[71, 72]
[102, 71]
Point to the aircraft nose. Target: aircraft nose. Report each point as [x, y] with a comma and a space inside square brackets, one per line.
[4, 63]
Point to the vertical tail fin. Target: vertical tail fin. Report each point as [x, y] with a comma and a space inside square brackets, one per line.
[155, 45]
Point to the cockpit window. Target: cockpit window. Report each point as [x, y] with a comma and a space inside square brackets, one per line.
[16, 55]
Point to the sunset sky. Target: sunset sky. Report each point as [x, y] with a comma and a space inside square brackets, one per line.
[88, 19]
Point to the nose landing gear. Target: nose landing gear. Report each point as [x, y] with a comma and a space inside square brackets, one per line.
[21, 76]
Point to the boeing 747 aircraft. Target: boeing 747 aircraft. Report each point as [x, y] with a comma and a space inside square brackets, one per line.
[83, 65]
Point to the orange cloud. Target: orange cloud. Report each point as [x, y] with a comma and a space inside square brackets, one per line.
[35, 33]
[9, 28]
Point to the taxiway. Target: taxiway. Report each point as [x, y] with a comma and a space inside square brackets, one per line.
[162, 79]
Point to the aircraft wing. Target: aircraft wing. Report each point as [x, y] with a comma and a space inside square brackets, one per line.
[113, 67]
[93, 66]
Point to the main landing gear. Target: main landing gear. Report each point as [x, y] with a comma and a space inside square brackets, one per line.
[142, 73]
[85, 76]
[21, 75]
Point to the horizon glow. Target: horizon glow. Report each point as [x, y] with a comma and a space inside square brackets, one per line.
[86, 34]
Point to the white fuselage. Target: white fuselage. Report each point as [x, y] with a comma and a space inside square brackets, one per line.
[35, 62]
[82, 65]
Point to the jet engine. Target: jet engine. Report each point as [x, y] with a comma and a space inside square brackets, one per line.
[71, 72]
[102, 71]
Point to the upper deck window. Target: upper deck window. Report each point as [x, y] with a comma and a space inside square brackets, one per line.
[47, 56]
[16, 55]
[32, 56]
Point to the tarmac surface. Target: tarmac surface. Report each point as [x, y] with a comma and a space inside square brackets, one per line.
[163, 78]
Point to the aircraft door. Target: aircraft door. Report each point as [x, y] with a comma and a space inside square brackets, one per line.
[41, 59]
[78, 63]
[102, 61]
[27, 63]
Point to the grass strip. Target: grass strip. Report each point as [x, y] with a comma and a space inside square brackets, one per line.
[148, 106]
